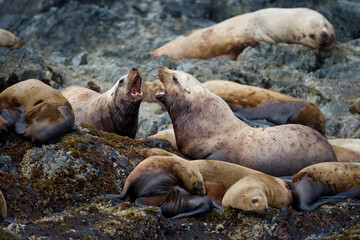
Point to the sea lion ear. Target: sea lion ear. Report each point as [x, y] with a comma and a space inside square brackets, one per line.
[187, 90]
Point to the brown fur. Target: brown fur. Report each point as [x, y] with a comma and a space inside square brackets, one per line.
[184, 174]
[206, 128]
[345, 155]
[3, 207]
[218, 176]
[114, 111]
[272, 25]
[8, 40]
[256, 192]
[150, 89]
[355, 107]
[167, 135]
[324, 179]
[48, 114]
[352, 144]
[258, 103]
[93, 86]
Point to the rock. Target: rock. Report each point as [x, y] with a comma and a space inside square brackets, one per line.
[80, 59]
[22, 64]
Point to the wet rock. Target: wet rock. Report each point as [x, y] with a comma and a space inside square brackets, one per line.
[22, 64]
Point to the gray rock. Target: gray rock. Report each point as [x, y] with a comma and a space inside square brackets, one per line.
[22, 64]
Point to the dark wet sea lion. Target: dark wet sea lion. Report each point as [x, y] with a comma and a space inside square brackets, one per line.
[169, 182]
[115, 110]
[206, 128]
[256, 192]
[255, 103]
[272, 25]
[47, 113]
[322, 183]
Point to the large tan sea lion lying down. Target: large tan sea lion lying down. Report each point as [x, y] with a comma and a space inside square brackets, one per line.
[272, 25]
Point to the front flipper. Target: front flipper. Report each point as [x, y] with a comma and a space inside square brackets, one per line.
[13, 117]
[350, 193]
[199, 204]
[155, 200]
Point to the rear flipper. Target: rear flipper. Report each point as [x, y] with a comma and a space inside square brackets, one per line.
[254, 123]
[353, 192]
[13, 117]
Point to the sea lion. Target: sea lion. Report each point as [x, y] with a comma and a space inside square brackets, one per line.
[206, 128]
[355, 107]
[313, 183]
[352, 144]
[218, 176]
[115, 110]
[8, 40]
[48, 114]
[171, 183]
[272, 25]
[256, 192]
[3, 207]
[254, 103]
[150, 89]
[167, 135]
[93, 86]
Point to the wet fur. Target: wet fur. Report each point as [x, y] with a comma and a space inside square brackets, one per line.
[8, 40]
[325, 179]
[257, 103]
[113, 111]
[230, 37]
[206, 128]
[47, 113]
[169, 182]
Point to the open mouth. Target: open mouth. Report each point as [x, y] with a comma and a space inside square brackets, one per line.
[135, 88]
[160, 93]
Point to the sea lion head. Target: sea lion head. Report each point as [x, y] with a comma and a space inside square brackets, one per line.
[150, 89]
[176, 83]
[129, 86]
[319, 32]
[252, 200]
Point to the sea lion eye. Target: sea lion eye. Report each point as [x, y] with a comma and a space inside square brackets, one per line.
[254, 200]
[174, 78]
[200, 184]
[121, 80]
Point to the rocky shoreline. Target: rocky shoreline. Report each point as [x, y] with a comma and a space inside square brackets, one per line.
[56, 191]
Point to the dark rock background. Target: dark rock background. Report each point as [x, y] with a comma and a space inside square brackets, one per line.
[53, 190]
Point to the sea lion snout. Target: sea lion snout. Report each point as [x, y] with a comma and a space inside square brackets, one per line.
[323, 34]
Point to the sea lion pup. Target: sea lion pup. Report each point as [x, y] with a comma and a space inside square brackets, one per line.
[8, 40]
[256, 103]
[256, 192]
[355, 107]
[313, 183]
[48, 114]
[171, 183]
[115, 110]
[206, 128]
[167, 134]
[3, 207]
[93, 86]
[272, 25]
